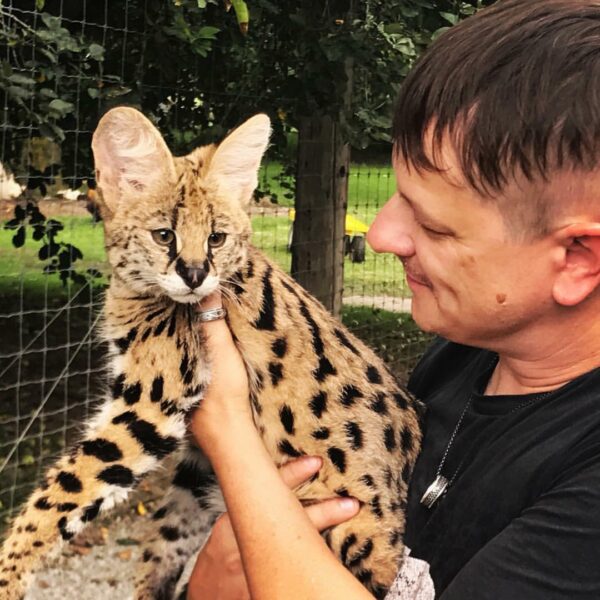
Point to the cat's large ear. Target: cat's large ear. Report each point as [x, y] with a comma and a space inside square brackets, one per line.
[131, 158]
[234, 166]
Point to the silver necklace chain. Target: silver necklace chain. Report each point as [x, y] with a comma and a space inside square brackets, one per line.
[440, 484]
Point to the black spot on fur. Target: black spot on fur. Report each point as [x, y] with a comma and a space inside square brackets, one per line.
[168, 407]
[102, 449]
[287, 418]
[318, 404]
[376, 507]
[285, 447]
[343, 338]
[184, 365]
[406, 473]
[395, 537]
[349, 395]
[62, 526]
[90, 512]
[161, 327]
[406, 440]
[172, 324]
[321, 434]
[151, 441]
[43, 503]
[146, 334]
[279, 347]
[171, 534]
[354, 434]
[314, 328]
[125, 417]
[160, 513]
[266, 317]
[348, 542]
[69, 482]
[197, 481]
[362, 554]
[117, 475]
[38, 543]
[255, 403]
[31, 528]
[338, 457]
[124, 342]
[155, 314]
[324, 369]
[147, 556]
[156, 393]
[379, 405]
[365, 576]
[400, 400]
[373, 375]
[249, 269]
[118, 385]
[3, 583]
[389, 476]
[132, 393]
[389, 438]
[66, 506]
[195, 390]
[276, 372]
[342, 492]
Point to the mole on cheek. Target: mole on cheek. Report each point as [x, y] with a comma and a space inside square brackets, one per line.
[500, 298]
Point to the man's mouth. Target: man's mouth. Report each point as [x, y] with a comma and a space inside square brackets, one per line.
[413, 277]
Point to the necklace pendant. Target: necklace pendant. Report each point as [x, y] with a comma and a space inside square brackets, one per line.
[435, 491]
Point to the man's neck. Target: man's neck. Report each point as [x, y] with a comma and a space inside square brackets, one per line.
[547, 370]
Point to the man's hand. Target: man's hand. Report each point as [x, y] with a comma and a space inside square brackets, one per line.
[219, 574]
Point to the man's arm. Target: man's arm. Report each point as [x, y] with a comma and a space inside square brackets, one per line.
[552, 551]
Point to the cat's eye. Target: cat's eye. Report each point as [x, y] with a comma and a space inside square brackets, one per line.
[164, 237]
[216, 239]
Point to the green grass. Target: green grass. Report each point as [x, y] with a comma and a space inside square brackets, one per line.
[369, 187]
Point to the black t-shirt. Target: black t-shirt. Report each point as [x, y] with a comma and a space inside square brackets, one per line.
[522, 517]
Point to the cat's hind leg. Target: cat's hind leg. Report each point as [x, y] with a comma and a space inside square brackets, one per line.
[181, 526]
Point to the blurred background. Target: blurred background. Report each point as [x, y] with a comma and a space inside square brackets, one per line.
[325, 71]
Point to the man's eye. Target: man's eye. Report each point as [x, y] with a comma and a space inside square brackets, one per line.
[164, 237]
[216, 239]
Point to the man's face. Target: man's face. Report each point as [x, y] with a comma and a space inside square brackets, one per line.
[470, 282]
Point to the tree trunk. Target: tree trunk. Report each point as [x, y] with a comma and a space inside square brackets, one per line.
[321, 199]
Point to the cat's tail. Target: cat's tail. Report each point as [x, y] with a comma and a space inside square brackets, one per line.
[122, 444]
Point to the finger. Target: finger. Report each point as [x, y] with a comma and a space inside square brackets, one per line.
[332, 512]
[299, 470]
[217, 332]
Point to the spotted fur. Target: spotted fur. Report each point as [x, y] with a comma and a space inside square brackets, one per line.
[315, 388]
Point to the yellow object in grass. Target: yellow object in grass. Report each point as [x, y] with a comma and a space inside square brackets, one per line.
[353, 226]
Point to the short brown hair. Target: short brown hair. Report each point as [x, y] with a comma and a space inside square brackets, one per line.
[517, 87]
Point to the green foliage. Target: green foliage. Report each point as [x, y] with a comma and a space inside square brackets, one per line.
[58, 256]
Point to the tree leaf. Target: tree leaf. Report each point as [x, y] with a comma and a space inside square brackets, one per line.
[96, 51]
[450, 17]
[19, 237]
[61, 106]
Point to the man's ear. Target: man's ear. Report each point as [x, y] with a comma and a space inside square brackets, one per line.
[130, 156]
[235, 163]
[579, 273]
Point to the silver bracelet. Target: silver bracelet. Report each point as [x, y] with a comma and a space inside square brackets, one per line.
[213, 314]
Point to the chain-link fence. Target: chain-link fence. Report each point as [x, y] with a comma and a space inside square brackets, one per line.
[63, 64]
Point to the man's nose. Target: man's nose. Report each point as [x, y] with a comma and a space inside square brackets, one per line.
[391, 231]
[192, 275]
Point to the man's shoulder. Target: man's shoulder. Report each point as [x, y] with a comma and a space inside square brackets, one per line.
[444, 361]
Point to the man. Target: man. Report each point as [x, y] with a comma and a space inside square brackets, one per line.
[497, 221]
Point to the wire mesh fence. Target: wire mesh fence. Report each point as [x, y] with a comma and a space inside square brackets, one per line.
[52, 261]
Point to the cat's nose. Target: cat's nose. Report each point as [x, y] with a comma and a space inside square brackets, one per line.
[192, 276]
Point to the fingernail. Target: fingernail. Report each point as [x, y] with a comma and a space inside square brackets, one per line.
[312, 462]
[348, 504]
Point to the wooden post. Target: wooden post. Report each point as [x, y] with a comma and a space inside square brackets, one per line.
[321, 200]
